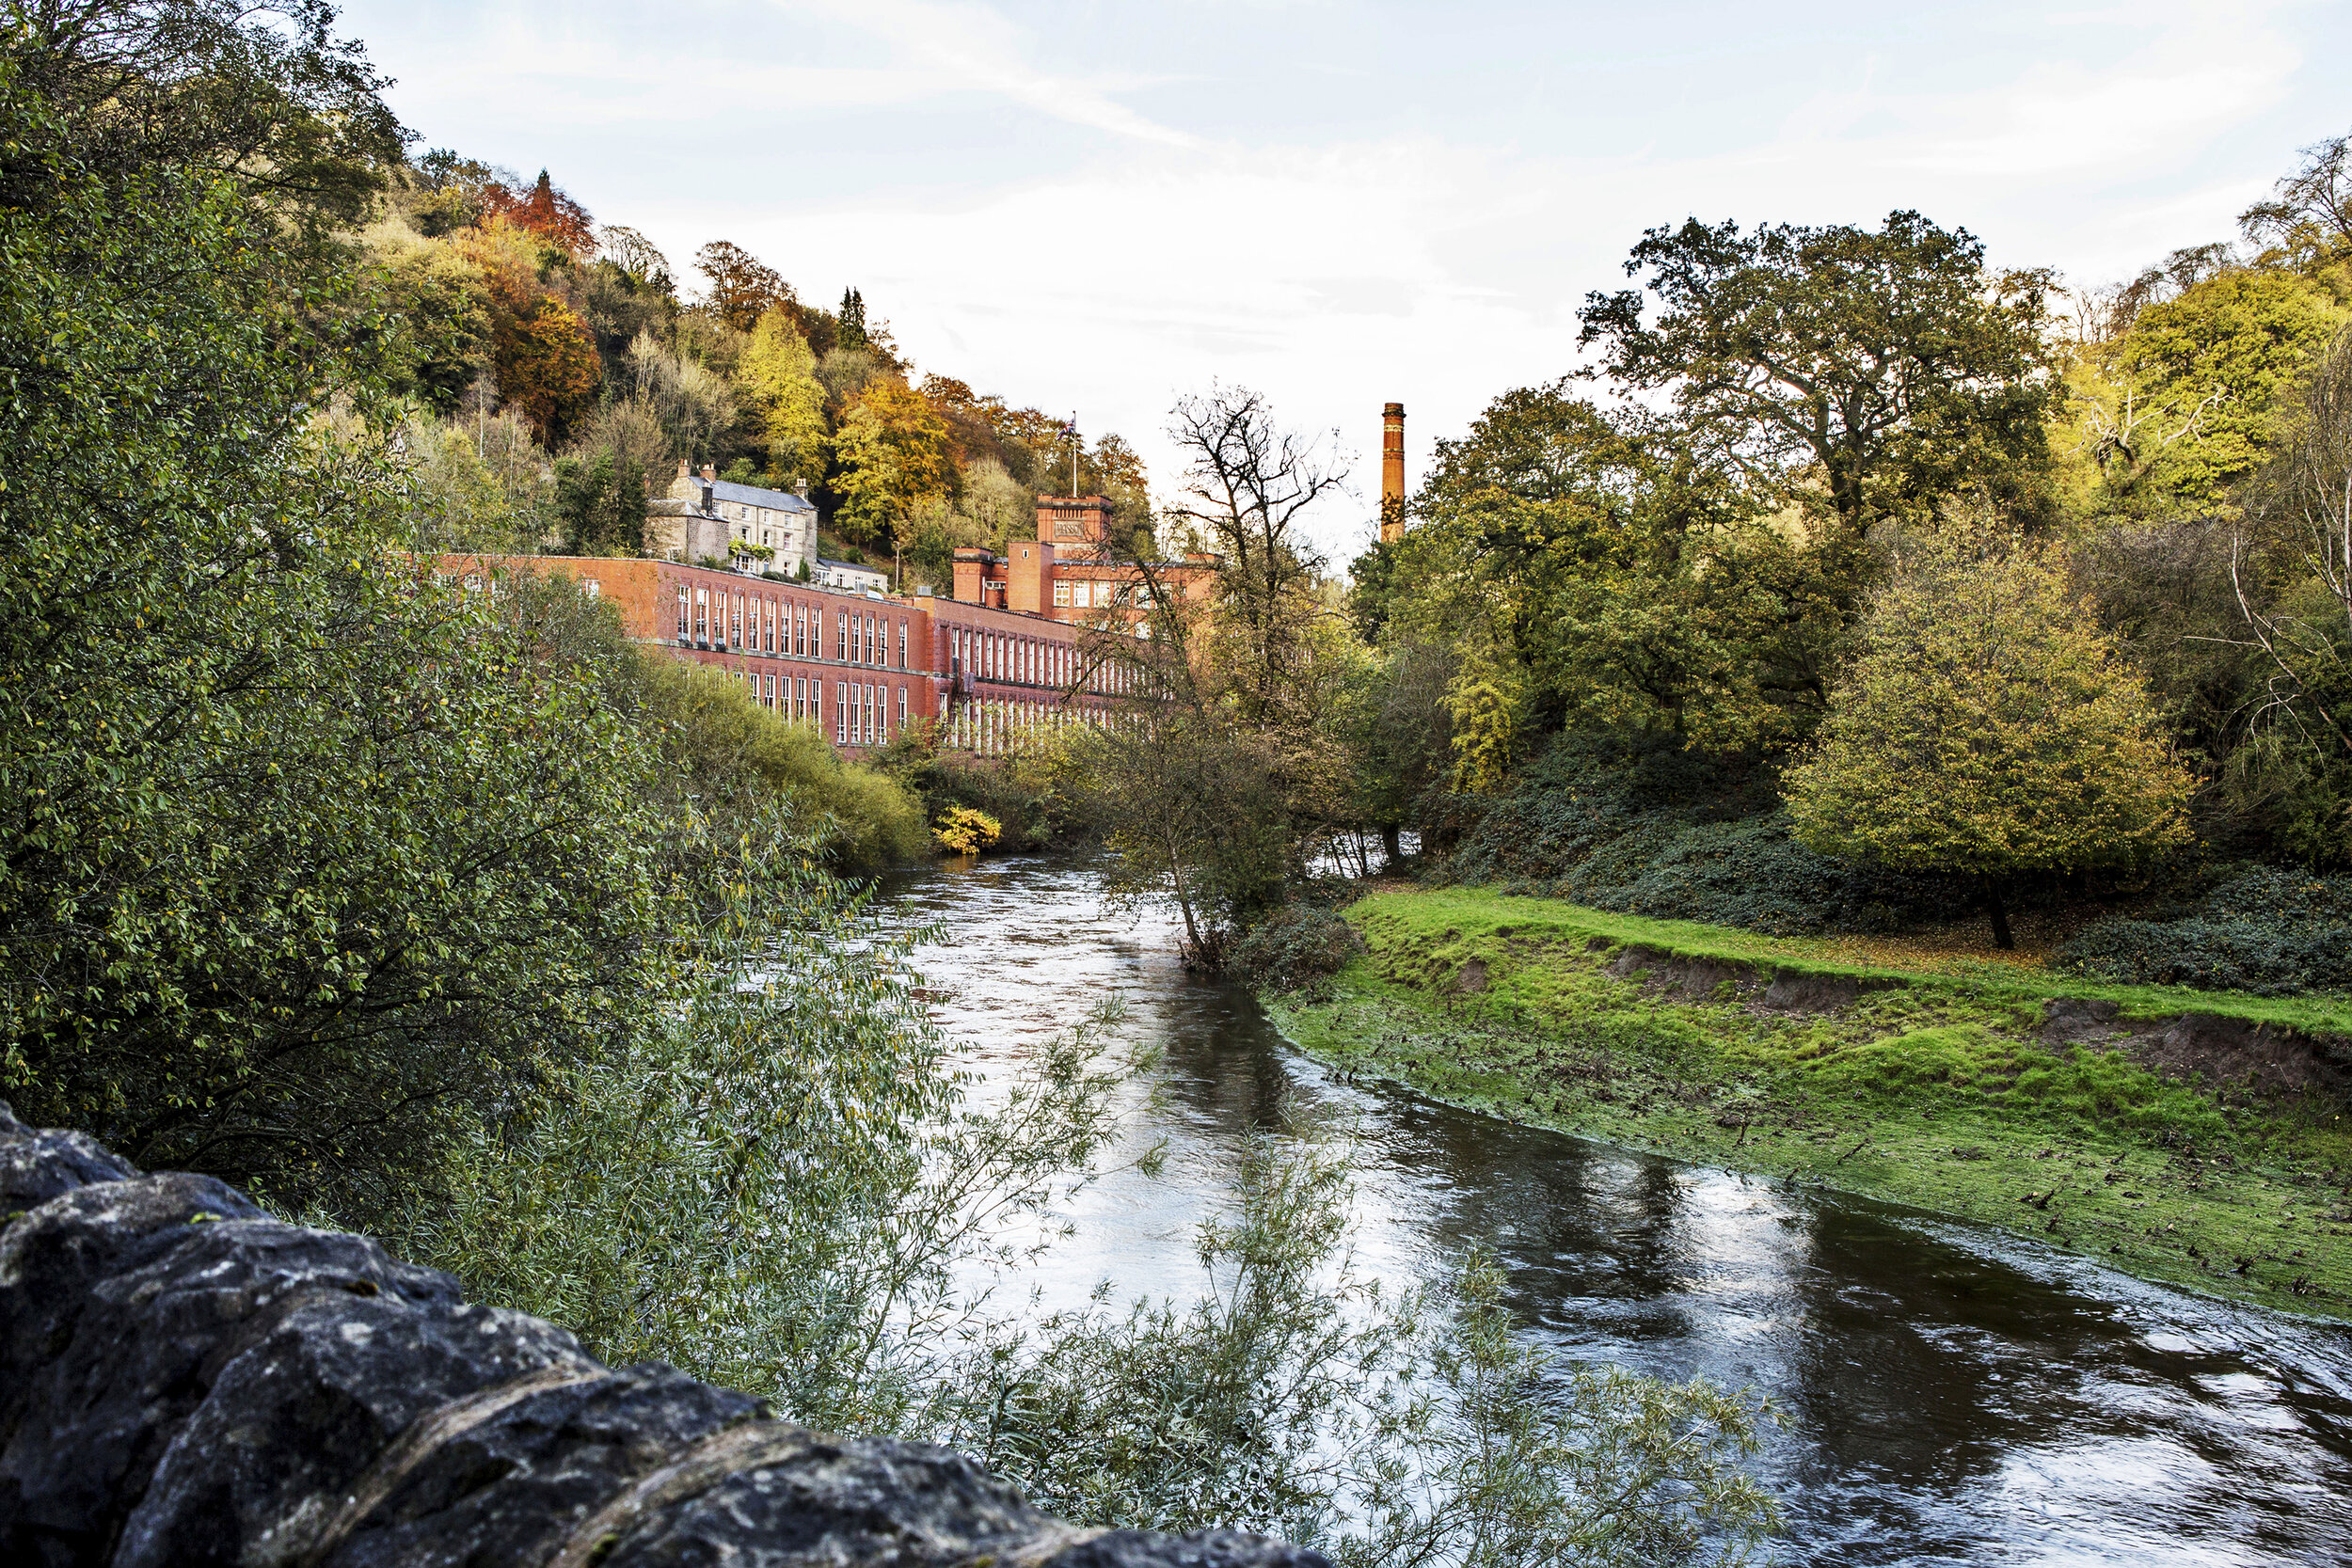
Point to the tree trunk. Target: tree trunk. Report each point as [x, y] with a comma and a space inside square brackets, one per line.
[2001, 939]
[1390, 842]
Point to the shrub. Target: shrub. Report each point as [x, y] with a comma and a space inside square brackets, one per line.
[724, 746]
[2270, 931]
[1660, 833]
[1299, 947]
[965, 831]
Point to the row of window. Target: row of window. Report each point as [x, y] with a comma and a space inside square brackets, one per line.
[786, 628]
[991, 656]
[1082, 593]
[1001, 728]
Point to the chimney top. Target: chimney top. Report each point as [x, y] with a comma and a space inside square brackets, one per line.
[684, 468]
[711, 474]
[800, 488]
[1393, 410]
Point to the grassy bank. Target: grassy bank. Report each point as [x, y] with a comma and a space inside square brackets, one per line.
[2193, 1137]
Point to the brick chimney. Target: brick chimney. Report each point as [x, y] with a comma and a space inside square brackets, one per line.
[710, 473]
[1392, 473]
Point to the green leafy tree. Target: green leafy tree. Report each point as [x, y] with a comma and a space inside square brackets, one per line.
[1593, 570]
[2215, 363]
[852, 333]
[2293, 576]
[600, 502]
[1885, 367]
[1987, 728]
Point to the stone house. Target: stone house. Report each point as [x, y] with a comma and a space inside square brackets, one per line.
[782, 522]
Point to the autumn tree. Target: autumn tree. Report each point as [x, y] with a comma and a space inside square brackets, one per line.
[1890, 366]
[894, 453]
[544, 356]
[779, 373]
[742, 287]
[547, 213]
[1987, 727]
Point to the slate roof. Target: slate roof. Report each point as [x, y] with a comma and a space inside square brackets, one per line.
[751, 495]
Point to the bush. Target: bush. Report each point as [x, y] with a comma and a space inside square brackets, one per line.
[1299, 947]
[729, 746]
[2270, 931]
[1660, 833]
[964, 831]
[1023, 794]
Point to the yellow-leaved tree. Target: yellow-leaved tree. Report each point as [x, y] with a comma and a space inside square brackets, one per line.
[1987, 727]
[779, 371]
[896, 454]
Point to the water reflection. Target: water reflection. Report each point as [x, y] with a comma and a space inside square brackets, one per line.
[1948, 1396]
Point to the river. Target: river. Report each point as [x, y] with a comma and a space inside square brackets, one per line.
[1947, 1394]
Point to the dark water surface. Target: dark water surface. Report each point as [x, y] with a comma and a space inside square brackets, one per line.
[1947, 1395]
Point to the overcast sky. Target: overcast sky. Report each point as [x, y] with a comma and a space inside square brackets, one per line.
[1096, 207]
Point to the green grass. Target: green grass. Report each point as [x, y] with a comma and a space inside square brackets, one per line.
[1932, 1090]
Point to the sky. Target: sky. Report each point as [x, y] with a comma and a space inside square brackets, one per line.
[1095, 208]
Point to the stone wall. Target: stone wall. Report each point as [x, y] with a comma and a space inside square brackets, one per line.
[184, 1380]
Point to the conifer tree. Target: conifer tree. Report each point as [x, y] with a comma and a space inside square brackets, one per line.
[852, 334]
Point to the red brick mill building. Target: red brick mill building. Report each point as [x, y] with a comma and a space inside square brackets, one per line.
[997, 666]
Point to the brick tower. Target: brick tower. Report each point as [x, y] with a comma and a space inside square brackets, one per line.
[1392, 473]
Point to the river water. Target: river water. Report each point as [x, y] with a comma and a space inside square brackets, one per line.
[1947, 1395]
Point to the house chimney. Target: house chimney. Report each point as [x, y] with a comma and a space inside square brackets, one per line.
[1392, 473]
[711, 474]
[684, 468]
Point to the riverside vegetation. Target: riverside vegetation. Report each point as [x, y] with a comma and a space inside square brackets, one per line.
[446, 915]
[2188, 1136]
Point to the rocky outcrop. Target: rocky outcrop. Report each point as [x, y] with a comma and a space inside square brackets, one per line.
[184, 1380]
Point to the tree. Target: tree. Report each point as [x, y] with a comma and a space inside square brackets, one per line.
[2293, 575]
[2185, 404]
[2309, 214]
[1987, 728]
[600, 502]
[543, 356]
[1887, 368]
[779, 371]
[636, 256]
[1247, 489]
[1594, 569]
[895, 453]
[852, 335]
[743, 288]
[547, 213]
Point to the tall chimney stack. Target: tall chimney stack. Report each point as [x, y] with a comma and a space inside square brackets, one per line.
[1392, 473]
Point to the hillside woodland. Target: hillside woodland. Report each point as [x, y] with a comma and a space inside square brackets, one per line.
[553, 373]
